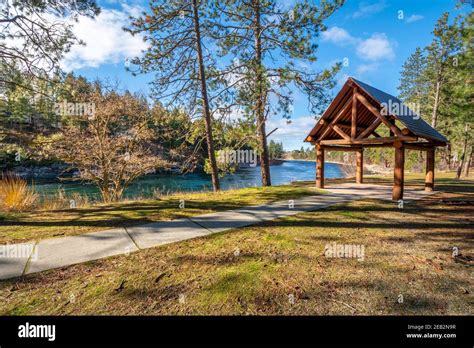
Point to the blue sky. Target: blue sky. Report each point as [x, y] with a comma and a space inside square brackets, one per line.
[373, 38]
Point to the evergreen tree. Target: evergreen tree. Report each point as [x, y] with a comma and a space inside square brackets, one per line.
[440, 54]
[176, 56]
[413, 83]
[461, 93]
[251, 32]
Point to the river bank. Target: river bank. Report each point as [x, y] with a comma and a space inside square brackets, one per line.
[159, 184]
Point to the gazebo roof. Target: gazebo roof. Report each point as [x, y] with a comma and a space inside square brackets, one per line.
[373, 107]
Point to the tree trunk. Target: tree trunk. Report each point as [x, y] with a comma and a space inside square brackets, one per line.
[469, 162]
[449, 156]
[205, 101]
[434, 116]
[463, 153]
[260, 101]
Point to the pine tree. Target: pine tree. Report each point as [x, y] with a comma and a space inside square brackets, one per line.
[462, 93]
[414, 86]
[177, 56]
[34, 35]
[445, 44]
[251, 33]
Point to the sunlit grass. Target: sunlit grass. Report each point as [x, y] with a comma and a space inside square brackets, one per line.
[408, 252]
[34, 225]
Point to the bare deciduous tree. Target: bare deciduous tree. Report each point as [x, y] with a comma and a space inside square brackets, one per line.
[112, 147]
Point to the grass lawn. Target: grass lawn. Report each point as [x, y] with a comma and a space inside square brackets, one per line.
[21, 227]
[279, 267]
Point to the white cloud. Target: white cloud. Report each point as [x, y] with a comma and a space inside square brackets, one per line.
[365, 9]
[364, 68]
[105, 40]
[376, 47]
[414, 18]
[291, 134]
[338, 35]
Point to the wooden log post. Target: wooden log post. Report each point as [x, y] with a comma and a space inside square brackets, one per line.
[360, 166]
[398, 172]
[319, 166]
[354, 114]
[430, 164]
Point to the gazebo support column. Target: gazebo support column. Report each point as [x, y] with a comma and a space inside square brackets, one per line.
[360, 166]
[319, 166]
[430, 164]
[398, 173]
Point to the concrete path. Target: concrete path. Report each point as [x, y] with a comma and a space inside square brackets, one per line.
[26, 258]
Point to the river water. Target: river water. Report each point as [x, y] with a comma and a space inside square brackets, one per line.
[285, 173]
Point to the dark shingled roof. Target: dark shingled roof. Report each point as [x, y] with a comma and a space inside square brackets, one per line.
[406, 116]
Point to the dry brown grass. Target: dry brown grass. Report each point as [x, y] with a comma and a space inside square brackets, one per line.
[60, 201]
[15, 194]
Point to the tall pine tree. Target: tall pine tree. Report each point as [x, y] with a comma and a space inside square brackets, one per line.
[177, 56]
[252, 33]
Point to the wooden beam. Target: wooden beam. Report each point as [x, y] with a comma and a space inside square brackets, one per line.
[340, 131]
[374, 110]
[335, 127]
[360, 166]
[378, 145]
[376, 134]
[370, 129]
[338, 116]
[354, 113]
[430, 165]
[398, 172]
[319, 166]
[348, 126]
[420, 147]
[411, 146]
[340, 148]
[384, 140]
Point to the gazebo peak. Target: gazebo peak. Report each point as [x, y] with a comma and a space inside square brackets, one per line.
[368, 104]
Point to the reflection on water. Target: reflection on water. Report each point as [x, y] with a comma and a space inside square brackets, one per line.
[247, 177]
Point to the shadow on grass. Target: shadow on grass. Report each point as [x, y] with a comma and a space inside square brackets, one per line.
[128, 214]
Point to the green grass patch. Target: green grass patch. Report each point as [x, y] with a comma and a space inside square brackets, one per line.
[36, 225]
[407, 251]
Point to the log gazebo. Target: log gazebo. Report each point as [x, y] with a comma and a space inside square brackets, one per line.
[351, 121]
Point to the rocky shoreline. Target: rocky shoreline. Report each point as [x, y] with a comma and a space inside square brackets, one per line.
[48, 172]
[349, 170]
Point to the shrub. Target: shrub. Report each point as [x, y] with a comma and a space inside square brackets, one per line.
[15, 195]
[60, 201]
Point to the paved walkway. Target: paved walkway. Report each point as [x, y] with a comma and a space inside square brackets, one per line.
[52, 253]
